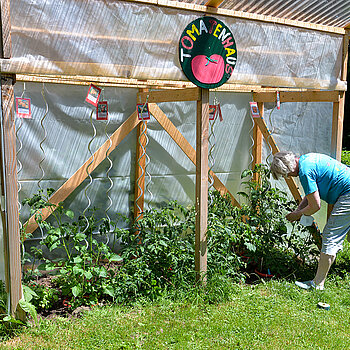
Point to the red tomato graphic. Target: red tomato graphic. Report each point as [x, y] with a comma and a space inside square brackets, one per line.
[208, 70]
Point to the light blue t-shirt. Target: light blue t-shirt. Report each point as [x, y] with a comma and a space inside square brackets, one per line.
[325, 174]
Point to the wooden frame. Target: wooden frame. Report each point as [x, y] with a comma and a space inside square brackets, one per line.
[198, 157]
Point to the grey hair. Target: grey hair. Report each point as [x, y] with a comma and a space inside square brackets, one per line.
[282, 164]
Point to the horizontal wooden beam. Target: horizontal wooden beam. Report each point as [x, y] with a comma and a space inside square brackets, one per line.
[214, 3]
[80, 175]
[86, 80]
[298, 96]
[186, 147]
[190, 94]
[239, 14]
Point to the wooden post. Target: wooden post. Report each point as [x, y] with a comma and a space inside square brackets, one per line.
[337, 127]
[9, 164]
[257, 137]
[140, 167]
[202, 135]
[11, 233]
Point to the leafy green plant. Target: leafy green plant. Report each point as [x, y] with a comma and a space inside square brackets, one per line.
[267, 234]
[157, 252]
[83, 272]
[345, 157]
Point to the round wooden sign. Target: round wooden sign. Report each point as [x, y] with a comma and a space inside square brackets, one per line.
[207, 52]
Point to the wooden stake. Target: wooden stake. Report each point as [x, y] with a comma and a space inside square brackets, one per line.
[337, 127]
[12, 234]
[202, 135]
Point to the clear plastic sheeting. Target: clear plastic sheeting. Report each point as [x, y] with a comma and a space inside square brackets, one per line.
[129, 40]
[300, 127]
[69, 132]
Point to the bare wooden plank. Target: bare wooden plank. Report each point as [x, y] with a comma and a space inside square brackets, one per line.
[186, 147]
[12, 236]
[257, 137]
[337, 127]
[345, 56]
[214, 3]
[149, 83]
[189, 94]
[298, 96]
[202, 147]
[6, 47]
[80, 175]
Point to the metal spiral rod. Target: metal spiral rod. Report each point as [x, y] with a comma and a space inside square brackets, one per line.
[44, 138]
[19, 170]
[148, 175]
[42, 148]
[252, 143]
[89, 175]
[110, 202]
[211, 159]
[143, 172]
[270, 135]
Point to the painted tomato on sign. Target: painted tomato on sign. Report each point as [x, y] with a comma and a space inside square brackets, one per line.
[207, 52]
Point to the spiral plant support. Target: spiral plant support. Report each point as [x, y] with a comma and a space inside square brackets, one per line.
[41, 146]
[89, 176]
[110, 202]
[142, 135]
[19, 168]
[211, 159]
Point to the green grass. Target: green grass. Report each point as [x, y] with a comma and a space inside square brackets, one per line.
[275, 315]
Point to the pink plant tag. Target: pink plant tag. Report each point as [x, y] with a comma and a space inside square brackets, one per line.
[212, 112]
[102, 110]
[143, 112]
[93, 95]
[23, 108]
[254, 110]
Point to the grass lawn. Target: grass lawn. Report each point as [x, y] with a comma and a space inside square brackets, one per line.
[272, 315]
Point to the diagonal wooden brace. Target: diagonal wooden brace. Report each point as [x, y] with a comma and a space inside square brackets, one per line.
[186, 147]
[80, 175]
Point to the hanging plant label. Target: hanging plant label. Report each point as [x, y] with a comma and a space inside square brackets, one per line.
[93, 95]
[254, 110]
[102, 110]
[219, 112]
[143, 112]
[212, 112]
[278, 101]
[23, 108]
[207, 52]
